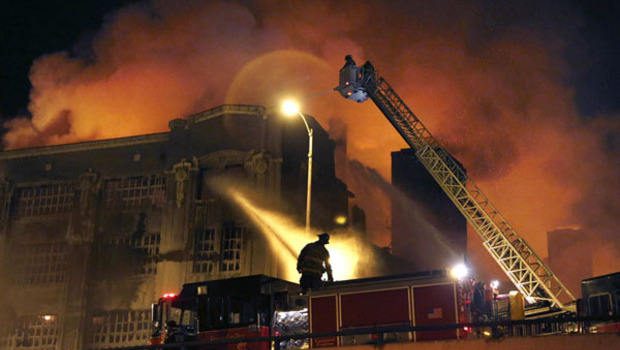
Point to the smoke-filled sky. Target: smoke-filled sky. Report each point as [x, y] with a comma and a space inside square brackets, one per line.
[524, 93]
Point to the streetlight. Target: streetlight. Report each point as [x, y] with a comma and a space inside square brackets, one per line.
[291, 108]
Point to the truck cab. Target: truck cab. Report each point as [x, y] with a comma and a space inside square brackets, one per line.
[241, 307]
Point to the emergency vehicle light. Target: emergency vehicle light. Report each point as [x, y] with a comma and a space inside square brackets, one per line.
[169, 295]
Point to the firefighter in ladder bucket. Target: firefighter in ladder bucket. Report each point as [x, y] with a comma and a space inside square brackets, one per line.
[313, 262]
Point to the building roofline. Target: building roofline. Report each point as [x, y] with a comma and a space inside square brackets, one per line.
[254, 110]
[84, 146]
[219, 111]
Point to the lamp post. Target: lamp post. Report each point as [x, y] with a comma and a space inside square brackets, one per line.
[291, 108]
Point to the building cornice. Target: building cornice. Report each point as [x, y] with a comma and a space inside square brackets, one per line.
[85, 146]
[249, 110]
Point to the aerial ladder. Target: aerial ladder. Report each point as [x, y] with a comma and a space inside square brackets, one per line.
[516, 258]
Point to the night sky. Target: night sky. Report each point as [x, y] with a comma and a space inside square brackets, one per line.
[33, 28]
[524, 93]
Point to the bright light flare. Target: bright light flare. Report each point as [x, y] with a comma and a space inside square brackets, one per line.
[340, 219]
[288, 240]
[494, 284]
[459, 271]
[169, 295]
[344, 255]
[47, 317]
[290, 108]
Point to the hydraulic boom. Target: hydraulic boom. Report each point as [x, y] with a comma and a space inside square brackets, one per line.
[516, 258]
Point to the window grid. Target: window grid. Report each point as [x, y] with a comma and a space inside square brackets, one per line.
[204, 251]
[147, 247]
[41, 263]
[134, 192]
[45, 200]
[121, 327]
[33, 333]
[232, 238]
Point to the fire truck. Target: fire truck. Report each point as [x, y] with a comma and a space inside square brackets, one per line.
[233, 308]
[261, 306]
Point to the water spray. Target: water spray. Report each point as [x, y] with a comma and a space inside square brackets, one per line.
[288, 239]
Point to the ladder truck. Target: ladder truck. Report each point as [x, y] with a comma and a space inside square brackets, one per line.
[516, 258]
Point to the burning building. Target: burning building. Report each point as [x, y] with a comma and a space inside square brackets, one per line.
[92, 233]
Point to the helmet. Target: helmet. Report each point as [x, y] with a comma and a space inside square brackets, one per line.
[324, 237]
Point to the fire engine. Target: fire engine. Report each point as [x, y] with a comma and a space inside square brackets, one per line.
[261, 306]
[241, 307]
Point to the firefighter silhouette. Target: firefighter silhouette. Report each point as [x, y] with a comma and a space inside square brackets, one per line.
[348, 61]
[313, 262]
[479, 307]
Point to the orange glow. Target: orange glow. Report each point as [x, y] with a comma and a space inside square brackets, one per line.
[288, 239]
[499, 102]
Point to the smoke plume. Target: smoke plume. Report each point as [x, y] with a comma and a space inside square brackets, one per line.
[490, 80]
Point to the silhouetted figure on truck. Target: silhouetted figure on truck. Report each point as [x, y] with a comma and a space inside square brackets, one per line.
[313, 262]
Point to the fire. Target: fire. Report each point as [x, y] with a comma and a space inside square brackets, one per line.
[498, 101]
[288, 239]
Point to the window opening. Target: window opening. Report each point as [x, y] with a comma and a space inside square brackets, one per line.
[232, 238]
[40, 263]
[36, 332]
[135, 192]
[45, 200]
[126, 327]
[204, 251]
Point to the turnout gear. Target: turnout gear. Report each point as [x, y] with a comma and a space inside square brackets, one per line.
[313, 262]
